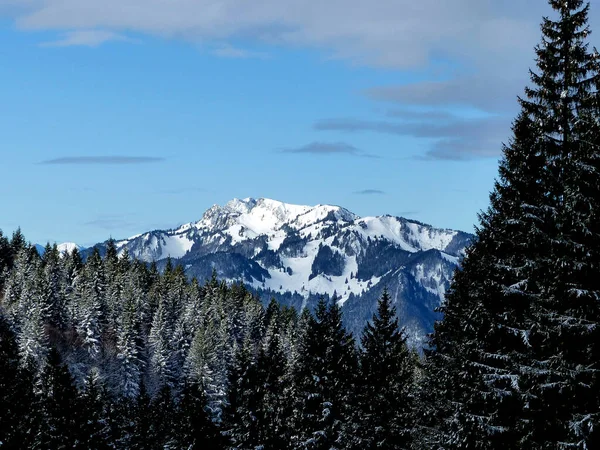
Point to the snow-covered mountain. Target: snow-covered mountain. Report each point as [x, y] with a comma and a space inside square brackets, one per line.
[299, 253]
[65, 247]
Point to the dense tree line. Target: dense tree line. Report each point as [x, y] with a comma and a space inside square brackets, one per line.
[111, 353]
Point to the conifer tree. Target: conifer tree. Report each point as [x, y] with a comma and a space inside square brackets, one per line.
[324, 382]
[161, 418]
[95, 433]
[240, 421]
[52, 289]
[272, 414]
[515, 359]
[141, 436]
[5, 259]
[59, 407]
[114, 280]
[16, 394]
[129, 347]
[91, 313]
[32, 313]
[387, 382]
[193, 428]
[160, 342]
[18, 242]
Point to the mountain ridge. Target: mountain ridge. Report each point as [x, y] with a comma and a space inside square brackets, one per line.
[298, 253]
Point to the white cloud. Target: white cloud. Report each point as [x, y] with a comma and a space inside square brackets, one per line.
[229, 51]
[86, 38]
[390, 33]
[472, 53]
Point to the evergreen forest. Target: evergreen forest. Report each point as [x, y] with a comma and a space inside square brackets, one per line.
[107, 352]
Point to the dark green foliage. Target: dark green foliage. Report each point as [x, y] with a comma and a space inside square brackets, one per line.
[18, 242]
[272, 415]
[515, 361]
[141, 417]
[6, 258]
[162, 411]
[59, 407]
[192, 427]
[324, 382]
[327, 262]
[240, 421]
[17, 423]
[386, 383]
[95, 431]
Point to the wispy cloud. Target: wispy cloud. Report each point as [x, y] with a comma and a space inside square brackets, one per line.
[476, 53]
[370, 192]
[87, 38]
[454, 138]
[481, 50]
[470, 31]
[419, 116]
[229, 51]
[408, 213]
[471, 92]
[103, 160]
[329, 148]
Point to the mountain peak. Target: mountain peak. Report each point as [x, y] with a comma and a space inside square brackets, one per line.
[265, 215]
[301, 252]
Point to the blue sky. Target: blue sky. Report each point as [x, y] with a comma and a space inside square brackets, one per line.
[122, 116]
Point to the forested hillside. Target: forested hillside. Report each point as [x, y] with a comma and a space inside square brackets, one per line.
[113, 353]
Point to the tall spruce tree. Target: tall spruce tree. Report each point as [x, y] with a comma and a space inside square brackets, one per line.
[271, 413]
[62, 423]
[193, 429]
[515, 360]
[94, 431]
[5, 259]
[387, 382]
[324, 380]
[16, 392]
[240, 420]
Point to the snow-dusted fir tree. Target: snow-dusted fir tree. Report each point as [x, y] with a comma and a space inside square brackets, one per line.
[16, 393]
[565, 99]
[212, 349]
[30, 310]
[240, 423]
[161, 351]
[21, 270]
[52, 288]
[91, 305]
[128, 376]
[115, 273]
[272, 412]
[207, 361]
[59, 406]
[193, 427]
[515, 360]
[324, 382]
[385, 418]
[5, 258]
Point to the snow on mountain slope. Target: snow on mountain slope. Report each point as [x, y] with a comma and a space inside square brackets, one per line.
[67, 247]
[298, 253]
[287, 240]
